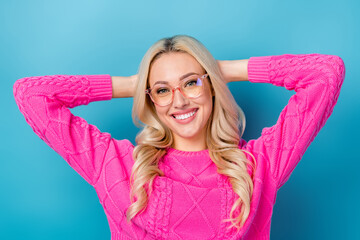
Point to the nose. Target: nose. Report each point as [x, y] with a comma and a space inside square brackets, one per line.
[179, 100]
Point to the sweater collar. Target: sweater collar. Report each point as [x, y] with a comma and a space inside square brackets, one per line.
[173, 151]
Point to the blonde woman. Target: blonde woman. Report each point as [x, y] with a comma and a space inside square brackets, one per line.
[190, 175]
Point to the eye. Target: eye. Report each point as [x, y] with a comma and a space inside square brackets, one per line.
[191, 83]
[160, 91]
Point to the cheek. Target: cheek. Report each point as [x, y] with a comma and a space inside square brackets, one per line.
[207, 102]
[208, 109]
[161, 112]
[209, 106]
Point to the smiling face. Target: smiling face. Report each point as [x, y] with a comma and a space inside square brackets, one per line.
[186, 118]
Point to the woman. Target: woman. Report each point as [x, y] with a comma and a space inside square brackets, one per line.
[191, 175]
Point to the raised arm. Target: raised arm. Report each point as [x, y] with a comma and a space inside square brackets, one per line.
[317, 80]
[44, 102]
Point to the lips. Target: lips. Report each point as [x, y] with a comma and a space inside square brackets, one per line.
[180, 113]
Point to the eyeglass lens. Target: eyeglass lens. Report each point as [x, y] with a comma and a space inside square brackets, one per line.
[191, 88]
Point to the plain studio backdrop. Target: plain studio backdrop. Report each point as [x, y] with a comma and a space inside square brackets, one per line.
[42, 197]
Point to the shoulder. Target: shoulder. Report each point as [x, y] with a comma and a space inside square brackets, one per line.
[119, 160]
[125, 147]
[120, 148]
[242, 143]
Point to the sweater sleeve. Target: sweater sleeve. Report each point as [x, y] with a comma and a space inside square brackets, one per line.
[44, 102]
[317, 80]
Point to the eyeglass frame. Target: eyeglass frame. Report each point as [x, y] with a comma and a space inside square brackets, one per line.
[147, 91]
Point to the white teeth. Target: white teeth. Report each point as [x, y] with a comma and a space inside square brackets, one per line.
[184, 116]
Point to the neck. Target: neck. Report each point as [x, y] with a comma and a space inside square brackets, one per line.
[190, 147]
[197, 143]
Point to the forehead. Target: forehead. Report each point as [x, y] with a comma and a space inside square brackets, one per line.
[170, 67]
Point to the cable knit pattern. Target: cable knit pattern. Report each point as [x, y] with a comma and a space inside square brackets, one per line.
[191, 199]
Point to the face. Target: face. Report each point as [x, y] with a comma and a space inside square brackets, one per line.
[170, 67]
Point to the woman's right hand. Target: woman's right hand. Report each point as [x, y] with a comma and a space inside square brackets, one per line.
[123, 87]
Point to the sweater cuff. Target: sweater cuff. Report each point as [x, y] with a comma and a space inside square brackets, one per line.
[100, 87]
[258, 71]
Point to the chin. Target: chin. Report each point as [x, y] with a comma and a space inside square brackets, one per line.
[187, 135]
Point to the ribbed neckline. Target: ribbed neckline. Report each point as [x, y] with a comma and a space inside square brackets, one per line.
[174, 151]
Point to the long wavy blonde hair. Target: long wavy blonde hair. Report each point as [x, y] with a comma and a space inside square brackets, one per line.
[225, 127]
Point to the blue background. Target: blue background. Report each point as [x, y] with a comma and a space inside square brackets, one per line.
[43, 198]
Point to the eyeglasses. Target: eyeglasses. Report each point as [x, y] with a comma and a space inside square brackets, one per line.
[191, 87]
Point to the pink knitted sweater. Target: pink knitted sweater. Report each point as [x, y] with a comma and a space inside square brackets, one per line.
[191, 199]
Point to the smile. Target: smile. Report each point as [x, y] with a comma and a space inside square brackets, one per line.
[185, 116]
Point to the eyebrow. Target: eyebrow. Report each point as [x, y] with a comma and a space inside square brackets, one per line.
[181, 78]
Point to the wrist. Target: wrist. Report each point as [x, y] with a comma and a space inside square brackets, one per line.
[234, 70]
[122, 87]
